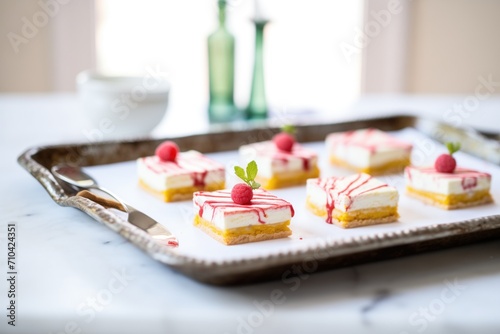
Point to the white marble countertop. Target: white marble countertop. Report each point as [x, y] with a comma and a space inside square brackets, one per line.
[77, 276]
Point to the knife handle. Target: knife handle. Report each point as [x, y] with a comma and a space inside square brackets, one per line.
[106, 202]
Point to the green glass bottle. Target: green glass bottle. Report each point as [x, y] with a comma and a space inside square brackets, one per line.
[221, 71]
[257, 107]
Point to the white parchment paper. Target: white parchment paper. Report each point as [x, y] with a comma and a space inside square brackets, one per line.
[308, 229]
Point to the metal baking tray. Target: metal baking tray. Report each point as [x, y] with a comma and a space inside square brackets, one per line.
[321, 256]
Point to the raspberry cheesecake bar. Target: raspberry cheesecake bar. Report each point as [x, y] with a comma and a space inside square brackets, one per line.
[460, 189]
[282, 161]
[173, 176]
[447, 186]
[368, 151]
[243, 214]
[352, 201]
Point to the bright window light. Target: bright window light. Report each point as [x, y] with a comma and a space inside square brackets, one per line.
[305, 68]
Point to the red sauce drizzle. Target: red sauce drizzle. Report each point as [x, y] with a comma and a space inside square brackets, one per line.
[285, 158]
[261, 201]
[172, 243]
[370, 139]
[330, 204]
[469, 183]
[196, 165]
[305, 163]
[329, 185]
[408, 173]
[269, 149]
[468, 177]
[199, 178]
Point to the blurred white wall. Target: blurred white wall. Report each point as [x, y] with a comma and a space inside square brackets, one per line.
[44, 43]
[434, 46]
[29, 69]
[453, 42]
[383, 42]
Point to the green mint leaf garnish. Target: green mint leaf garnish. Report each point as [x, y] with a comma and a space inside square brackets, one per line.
[452, 147]
[240, 172]
[252, 170]
[288, 128]
[249, 176]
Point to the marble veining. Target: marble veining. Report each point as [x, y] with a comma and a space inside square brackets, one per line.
[379, 297]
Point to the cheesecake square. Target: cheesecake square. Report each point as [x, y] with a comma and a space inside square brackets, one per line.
[368, 151]
[352, 201]
[278, 168]
[178, 180]
[459, 189]
[266, 217]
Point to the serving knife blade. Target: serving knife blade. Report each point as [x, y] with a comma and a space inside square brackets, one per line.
[137, 218]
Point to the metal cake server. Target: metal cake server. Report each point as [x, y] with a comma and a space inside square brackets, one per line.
[76, 177]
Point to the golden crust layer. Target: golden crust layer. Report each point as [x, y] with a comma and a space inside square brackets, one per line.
[288, 179]
[242, 235]
[395, 166]
[452, 201]
[357, 218]
[180, 194]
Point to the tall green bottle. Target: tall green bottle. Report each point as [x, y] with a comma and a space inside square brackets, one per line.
[257, 106]
[221, 71]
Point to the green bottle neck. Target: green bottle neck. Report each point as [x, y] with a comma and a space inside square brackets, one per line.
[259, 36]
[257, 106]
[222, 14]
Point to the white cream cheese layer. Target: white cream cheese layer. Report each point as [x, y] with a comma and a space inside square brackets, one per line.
[218, 208]
[367, 148]
[460, 182]
[191, 168]
[351, 193]
[273, 161]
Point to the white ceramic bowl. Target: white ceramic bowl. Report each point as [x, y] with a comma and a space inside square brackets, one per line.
[120, 107]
